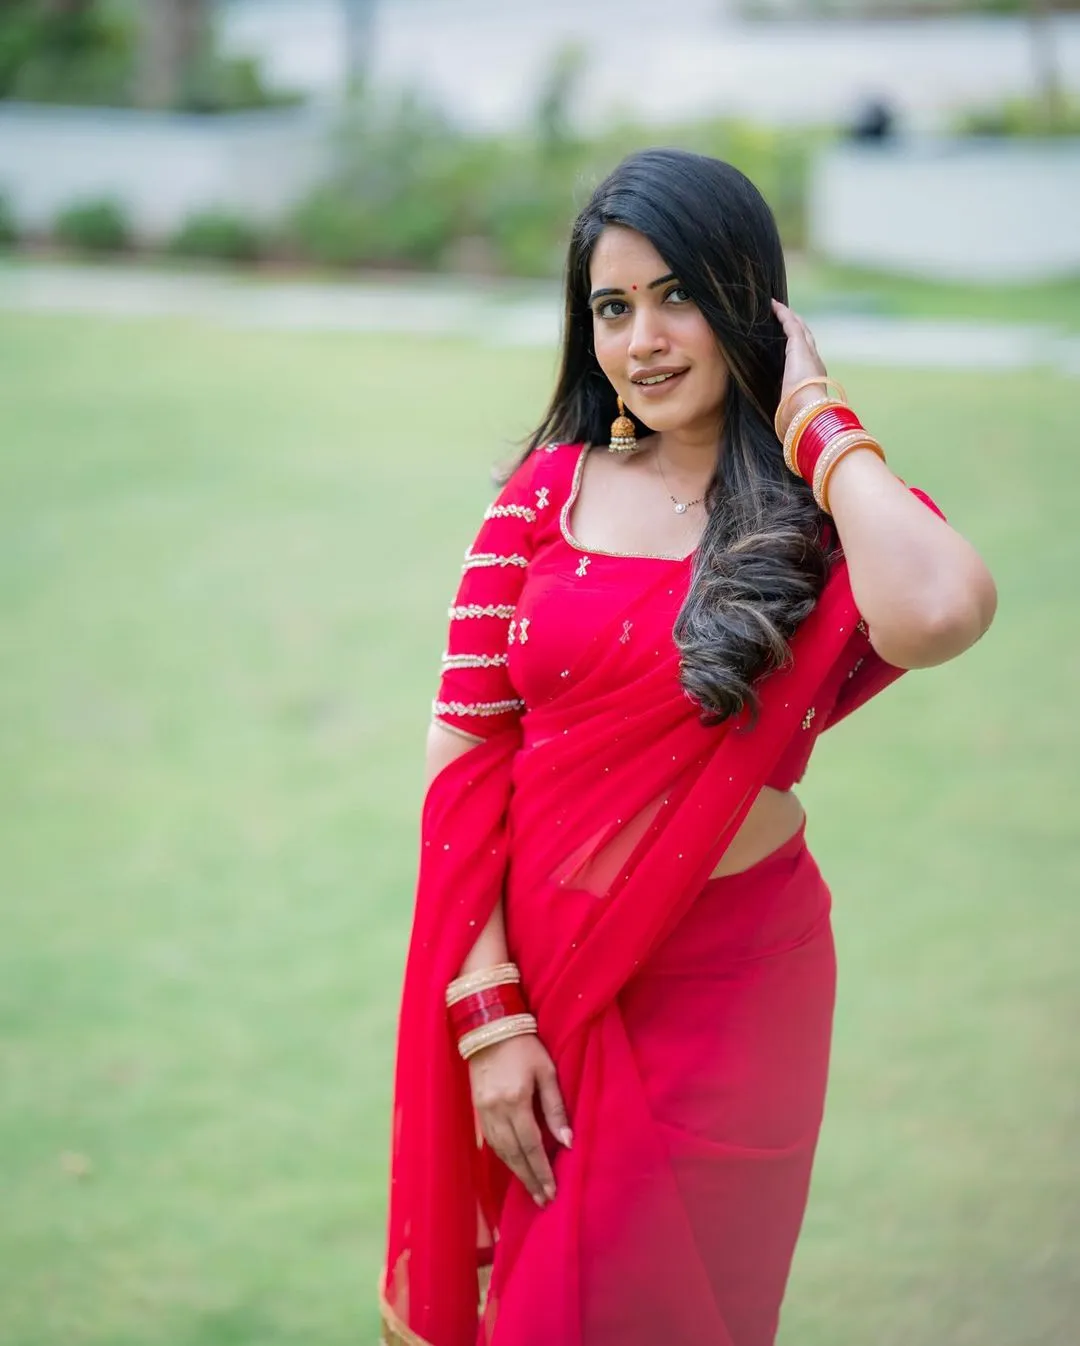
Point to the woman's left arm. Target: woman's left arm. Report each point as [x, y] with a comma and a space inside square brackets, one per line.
[923, 590]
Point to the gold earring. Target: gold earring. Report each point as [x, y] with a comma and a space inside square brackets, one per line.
[623, 433]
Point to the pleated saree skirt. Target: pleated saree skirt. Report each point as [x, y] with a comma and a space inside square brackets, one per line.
[696, 1116]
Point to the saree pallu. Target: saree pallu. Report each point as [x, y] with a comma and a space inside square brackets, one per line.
[601, 819]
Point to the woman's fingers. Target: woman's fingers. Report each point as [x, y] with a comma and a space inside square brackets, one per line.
[552, 1105]
[541, 1180]
[501, 1136]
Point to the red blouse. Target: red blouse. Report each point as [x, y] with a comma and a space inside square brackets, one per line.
[531, 594]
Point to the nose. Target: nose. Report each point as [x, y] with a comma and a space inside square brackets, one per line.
[647, 336]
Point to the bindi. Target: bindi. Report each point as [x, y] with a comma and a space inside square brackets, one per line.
[633, 287]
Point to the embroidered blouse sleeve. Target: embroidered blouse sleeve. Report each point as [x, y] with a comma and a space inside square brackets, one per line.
[476, 696]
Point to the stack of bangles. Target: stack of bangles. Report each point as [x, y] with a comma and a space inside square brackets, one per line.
[820, 435]
[487, 1007]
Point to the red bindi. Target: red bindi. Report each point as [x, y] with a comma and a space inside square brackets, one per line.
[633, 287]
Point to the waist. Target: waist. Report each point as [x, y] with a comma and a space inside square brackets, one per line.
[776, 818]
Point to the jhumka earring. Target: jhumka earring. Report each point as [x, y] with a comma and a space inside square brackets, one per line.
[623, 433]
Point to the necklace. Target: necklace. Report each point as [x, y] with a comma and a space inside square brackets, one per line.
[681, 506]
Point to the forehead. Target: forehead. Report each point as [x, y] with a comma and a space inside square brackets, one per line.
[622, 257]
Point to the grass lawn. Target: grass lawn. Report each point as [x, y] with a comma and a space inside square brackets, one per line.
[225, 560]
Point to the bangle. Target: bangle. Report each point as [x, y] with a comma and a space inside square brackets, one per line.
[485, 1007]
[813, 439]
[503, 974]
[799, 421]
[839, 447]
[825, 382]
[516, 1026]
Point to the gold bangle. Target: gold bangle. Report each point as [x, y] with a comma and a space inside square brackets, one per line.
[799, 422]
[501, 1030]
[825, 382]
[502, 974]
[839, 447]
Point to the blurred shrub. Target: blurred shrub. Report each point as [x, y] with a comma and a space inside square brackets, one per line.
[218, 235]
[98, 226]
[9, 230]
[230, 84]
[411, 190]
[81, 54]
[1022, 117]
[87, 54]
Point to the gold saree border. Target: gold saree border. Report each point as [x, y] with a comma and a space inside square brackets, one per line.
[394, 1331]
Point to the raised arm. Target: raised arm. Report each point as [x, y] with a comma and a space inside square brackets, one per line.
[925, 593]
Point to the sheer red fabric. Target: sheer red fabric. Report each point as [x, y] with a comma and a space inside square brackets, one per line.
[689, 1019]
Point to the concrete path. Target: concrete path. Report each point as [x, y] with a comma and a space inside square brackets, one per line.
[497, 313]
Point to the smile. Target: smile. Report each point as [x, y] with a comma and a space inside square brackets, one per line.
[653, 384]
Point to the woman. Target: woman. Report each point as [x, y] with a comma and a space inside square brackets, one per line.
[617, 1008]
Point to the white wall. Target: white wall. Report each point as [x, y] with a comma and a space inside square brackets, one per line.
[162, 167]
[977, 210]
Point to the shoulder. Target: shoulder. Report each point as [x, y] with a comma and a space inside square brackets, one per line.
[540, 484]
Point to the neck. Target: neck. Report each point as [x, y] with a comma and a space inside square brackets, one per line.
[691, 454]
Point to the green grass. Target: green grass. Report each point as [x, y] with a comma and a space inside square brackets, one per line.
[224, 565]
[820, 287]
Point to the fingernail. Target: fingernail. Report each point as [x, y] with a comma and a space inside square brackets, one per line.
[566, 1136]
[549, 1191]
[539, 1200]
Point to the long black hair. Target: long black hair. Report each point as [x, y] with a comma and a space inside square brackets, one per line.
[761, 563]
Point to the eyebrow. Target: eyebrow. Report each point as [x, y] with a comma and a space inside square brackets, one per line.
[652, 285]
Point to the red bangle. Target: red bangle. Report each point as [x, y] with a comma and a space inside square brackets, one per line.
[816, 435]
[484, 1007]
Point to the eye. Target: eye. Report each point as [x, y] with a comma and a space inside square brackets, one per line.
[605, 310]
[677, 295]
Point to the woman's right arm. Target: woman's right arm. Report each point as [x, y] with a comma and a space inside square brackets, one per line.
[506, 1078]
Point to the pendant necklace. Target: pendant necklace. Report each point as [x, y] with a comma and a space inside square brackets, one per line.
[681, 506]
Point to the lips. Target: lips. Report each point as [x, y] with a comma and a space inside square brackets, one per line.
[652, 390]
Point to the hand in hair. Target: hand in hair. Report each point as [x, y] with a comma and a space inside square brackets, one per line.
[802, 362]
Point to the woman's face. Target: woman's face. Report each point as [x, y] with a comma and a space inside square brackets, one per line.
[646, 327]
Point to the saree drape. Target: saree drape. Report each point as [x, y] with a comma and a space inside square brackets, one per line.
[599, 818]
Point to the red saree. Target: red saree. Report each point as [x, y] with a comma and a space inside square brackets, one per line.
[689, 1019]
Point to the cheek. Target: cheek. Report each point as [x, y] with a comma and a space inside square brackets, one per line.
[610, 352]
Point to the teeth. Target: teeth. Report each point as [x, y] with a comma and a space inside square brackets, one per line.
[657, 378]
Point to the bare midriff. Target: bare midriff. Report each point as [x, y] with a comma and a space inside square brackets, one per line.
[774, 817]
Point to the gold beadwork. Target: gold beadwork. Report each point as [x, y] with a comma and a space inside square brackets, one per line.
[510, 512]
[502, 974]
[479, 560]
[478, 708]
[475, 660]
[808, 718]
[462, 613]
[623, 432]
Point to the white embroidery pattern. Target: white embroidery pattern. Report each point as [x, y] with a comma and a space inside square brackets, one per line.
[583, 566]
[808, 718]
[503, 610]
[542, 495]
[510, 512]
[477, 707]
[510, 633]
[480, 559]
[523, 630]
[552, 448]
[627, 627]
[855, 668]
[475, 660]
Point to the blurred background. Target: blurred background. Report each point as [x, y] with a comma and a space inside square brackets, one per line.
[279, 282]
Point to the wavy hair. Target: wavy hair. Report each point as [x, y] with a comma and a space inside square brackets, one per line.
[761, 562]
